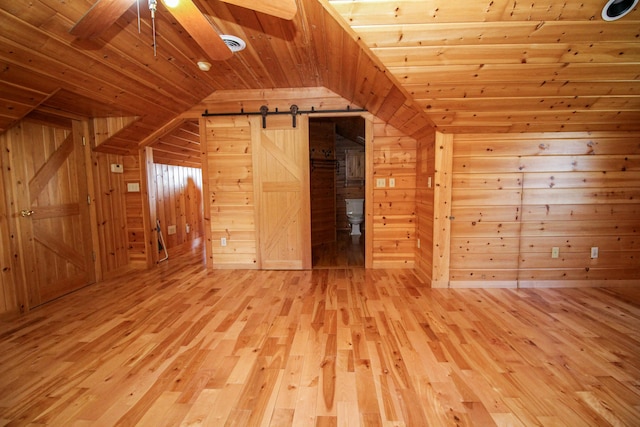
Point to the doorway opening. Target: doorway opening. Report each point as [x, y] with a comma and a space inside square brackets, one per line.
[337, 181]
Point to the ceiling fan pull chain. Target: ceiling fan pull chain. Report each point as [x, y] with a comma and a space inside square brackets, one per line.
[153, 4]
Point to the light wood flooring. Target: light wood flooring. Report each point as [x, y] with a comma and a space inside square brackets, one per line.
[181, 345]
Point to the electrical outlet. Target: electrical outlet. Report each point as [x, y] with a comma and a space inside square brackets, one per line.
[428, 182]
[594, 252]
[223, 241]
[381, 182]
[555, 252]
[418, 243]
[392, 182]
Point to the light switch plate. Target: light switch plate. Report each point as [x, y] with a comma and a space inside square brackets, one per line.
[381, 182]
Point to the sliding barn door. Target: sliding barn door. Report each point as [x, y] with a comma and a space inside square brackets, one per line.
[51, 207]
[281, 185]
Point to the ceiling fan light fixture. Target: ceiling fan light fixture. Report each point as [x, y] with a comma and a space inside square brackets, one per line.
[616, 9]
[171, 3]
[204, 65]
[235, 44]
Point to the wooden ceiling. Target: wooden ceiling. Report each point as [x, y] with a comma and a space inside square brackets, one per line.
[466, 66]
[505, 65]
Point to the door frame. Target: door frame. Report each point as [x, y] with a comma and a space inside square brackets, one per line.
[368, 180]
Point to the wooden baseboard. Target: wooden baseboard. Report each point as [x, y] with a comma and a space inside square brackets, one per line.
[459, 284]
[538, 284]
[218, 266]
[579, 284]
[393, 264]
[439, 284]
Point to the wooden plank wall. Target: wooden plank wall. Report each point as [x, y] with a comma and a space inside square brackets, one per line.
[111, 213]
[322, 157]
[228, 192]
[230, 210]
[179, 203]
[394, 209]
[8, 299]
[425, 163]
[135, 212]
[516, 196]
[343, 191]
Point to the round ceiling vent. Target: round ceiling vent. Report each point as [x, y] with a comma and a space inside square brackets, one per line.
[236, 44]
[616, 9]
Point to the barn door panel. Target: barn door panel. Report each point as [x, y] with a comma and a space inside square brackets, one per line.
[50, 190]
[281, 175]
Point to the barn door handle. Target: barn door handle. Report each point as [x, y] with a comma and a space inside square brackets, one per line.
[26, 212]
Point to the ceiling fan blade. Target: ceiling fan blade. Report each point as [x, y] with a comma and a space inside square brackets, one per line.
[198, 26]
[285, 9]
[101, 16]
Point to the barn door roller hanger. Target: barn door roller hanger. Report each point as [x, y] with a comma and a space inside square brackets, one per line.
[293, 110]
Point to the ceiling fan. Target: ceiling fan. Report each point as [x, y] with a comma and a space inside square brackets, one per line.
[105, 13]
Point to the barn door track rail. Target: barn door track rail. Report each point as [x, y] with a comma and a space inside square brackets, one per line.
[293, 111]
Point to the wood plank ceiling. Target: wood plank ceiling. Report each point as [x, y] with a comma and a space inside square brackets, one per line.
[471, 66]
[505, 65]
[43, 68]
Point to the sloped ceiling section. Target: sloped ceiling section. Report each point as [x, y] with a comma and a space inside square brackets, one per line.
[507, 66]
[45, 68]
[463, 66]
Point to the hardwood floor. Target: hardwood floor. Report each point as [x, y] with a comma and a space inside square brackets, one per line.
[181, 345]
[346, 251]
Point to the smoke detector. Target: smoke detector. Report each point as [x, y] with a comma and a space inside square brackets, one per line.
[236, 44]
[616, 9]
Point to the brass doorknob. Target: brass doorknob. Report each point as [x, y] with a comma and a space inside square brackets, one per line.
[26, 212]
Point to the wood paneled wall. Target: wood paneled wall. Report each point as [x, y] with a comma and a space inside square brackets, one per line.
[516, 196]
[425, 170]
[135, 210]
[227, 171]
[393, 209]
[8, 300]
[118, 217]
[121, 211]
[179, 203]
[230, 210]
[111, 213]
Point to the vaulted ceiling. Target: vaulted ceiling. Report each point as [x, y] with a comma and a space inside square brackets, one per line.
[506, 65]
[461, 66]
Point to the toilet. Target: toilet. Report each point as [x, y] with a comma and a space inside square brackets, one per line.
[355, 214]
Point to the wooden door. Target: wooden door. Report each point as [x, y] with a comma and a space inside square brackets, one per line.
[52, 210]
[281, 186]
